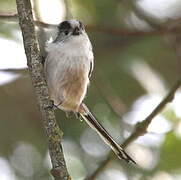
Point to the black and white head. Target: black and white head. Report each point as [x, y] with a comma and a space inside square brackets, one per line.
[69, 28]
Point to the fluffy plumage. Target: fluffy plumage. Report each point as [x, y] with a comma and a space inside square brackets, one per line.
[67, 68]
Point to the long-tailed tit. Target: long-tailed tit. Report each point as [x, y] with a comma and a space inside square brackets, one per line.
[68, 67]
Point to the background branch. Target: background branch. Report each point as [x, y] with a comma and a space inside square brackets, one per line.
[140, 129]
[160, 30]
[54, 134]
[13, 17]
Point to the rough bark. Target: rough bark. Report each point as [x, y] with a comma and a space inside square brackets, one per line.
[34, 59]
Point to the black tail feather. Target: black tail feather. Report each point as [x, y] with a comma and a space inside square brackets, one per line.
[93, 123]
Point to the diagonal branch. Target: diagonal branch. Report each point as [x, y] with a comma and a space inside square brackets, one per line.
[54, 134]
[141, 127]
[140, 130]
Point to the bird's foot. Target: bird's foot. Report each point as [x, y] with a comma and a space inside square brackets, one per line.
[78, 116]
[51, 106]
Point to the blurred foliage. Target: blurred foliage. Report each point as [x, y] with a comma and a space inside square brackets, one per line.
[117, 78]
[7, 29]
[8, 6]
[169, 152]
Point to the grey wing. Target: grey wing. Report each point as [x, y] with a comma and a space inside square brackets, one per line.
[91, 67]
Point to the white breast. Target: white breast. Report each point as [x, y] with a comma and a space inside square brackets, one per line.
[66, 68]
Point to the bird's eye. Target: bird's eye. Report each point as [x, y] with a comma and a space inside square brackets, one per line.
[66, 32]
[64, 27]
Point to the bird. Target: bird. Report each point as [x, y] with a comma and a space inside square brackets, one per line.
[68, 67]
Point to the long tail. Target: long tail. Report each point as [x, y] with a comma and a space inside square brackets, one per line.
[94, 124]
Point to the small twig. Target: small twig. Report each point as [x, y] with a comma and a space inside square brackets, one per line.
[141, 128]
[54, 134]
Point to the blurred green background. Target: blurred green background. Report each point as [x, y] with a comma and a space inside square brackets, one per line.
[137, 60]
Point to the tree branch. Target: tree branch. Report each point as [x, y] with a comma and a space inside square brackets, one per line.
[54, 134]
[9, 17]
[141, 128]
[114, 31]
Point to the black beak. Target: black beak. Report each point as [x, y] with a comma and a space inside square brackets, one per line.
[77, 31]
